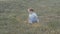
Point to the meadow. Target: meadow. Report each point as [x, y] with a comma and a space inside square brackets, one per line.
[14, 15]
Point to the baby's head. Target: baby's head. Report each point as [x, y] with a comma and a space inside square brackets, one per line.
[30, 10]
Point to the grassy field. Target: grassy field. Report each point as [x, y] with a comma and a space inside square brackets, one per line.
[13, 17]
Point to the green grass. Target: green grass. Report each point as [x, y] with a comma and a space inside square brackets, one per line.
[13, 17]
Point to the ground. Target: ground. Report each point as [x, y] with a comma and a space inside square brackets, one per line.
[14, 15]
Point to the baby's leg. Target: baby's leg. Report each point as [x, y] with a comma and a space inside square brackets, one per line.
[30, 21]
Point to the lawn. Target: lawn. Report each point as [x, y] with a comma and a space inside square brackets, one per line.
[14, 15]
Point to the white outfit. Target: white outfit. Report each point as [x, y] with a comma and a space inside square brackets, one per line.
[33, 18]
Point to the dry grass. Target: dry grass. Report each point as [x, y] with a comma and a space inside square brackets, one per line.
[13, 17]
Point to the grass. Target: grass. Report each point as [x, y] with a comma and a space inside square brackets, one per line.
[13, 17]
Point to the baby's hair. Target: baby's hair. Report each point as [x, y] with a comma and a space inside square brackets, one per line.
[31, 9]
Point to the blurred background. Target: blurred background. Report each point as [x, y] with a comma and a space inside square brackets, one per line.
[14, 15]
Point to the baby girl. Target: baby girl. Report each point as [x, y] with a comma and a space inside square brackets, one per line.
[33, 18]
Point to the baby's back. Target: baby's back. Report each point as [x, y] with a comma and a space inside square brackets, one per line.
[33, 17]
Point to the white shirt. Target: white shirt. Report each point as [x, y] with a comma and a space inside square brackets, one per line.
[33, 17]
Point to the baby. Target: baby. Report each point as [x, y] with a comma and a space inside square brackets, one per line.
[33, 18]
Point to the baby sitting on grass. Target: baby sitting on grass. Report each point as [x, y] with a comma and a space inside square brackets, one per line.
[33, 18]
